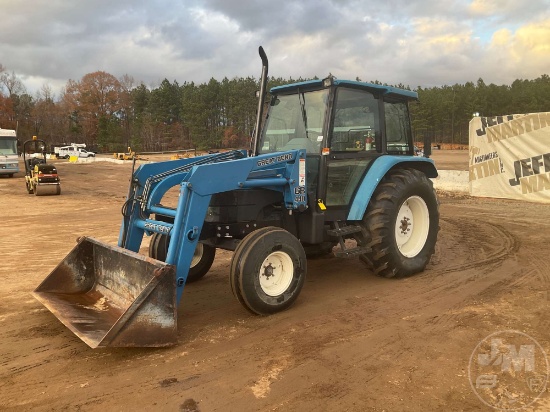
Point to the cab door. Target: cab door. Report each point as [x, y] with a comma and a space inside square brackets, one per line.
[354, 141]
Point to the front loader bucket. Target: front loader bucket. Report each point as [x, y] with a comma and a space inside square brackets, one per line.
[110, 296]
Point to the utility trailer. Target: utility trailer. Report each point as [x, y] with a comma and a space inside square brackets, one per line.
[332, 171]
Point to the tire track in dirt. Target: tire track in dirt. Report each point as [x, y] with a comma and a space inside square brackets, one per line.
[482, 259]
[464, 259]
[430, 311]
[465, 228]
[349, 321]
[538, 269]
[349, 325]
[309, 339]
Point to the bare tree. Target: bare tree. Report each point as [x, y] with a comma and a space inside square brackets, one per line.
[50, 121]
[11, 83]
[125, 112]
[2, 70]
[45, 93]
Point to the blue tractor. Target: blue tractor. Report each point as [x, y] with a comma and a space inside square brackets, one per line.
[332, 171]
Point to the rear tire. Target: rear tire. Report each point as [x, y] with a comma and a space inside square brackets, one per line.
[202, 261]
[403, 221]
[268, 270]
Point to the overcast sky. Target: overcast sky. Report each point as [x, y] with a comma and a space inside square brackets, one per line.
[417, 43]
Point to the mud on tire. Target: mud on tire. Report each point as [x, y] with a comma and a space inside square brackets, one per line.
[403, 221]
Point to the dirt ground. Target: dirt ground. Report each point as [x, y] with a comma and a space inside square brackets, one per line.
[352, 341]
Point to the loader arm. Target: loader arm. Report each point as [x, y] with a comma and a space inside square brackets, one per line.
[199, 179]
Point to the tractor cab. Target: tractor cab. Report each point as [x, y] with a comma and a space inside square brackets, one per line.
[343, 126]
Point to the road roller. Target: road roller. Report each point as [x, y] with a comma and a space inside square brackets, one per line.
[40, 178]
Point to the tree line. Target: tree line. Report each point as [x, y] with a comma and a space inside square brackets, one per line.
[112, 114]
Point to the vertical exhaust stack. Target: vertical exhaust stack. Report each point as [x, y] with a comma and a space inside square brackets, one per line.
[263, 84]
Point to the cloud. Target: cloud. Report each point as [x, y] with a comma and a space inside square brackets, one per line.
[426, 42]
[523, 53]
[533, 40]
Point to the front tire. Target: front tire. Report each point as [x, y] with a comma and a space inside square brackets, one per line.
[403, 221]
[268, 270]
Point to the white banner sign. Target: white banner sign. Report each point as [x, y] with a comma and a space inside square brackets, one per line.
[510, 157]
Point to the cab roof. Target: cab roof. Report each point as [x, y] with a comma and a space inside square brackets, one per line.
[374, 88]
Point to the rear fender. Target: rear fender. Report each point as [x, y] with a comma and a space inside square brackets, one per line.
[377, 171]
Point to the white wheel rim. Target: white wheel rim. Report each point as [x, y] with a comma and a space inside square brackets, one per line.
[197, 256]
[276, 273]
[412, 226]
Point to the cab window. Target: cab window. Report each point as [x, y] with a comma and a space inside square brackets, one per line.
[356, 127]
[397, 127]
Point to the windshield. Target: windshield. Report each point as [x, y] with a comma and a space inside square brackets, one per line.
[8, 145]
[295, 122]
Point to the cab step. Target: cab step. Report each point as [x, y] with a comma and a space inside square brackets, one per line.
[344, 230]
[348, 253]
[341, 232]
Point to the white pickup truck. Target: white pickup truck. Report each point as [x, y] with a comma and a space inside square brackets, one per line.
[68, 151]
